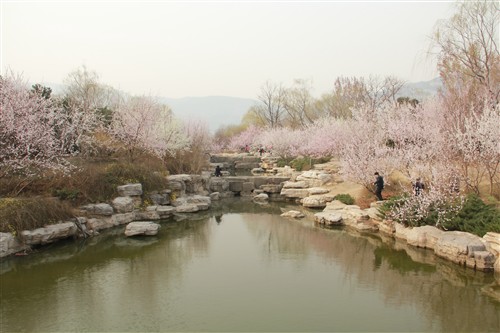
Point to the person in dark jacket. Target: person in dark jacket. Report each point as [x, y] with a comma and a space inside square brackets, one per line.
[379, 186]
[418, 187]
[218, 171]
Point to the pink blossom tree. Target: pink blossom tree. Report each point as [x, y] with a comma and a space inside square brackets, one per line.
[366, 150]
[284, 142]
[142, 123]
[28, 142]
[245, 138]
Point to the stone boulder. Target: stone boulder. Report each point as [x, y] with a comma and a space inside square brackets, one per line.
[334, 205]
[314, 178]
[318, 190]
[492, 240]
[10, 244]
[271, 188]
[263, 197]
[298, 193]
[217, 184]
[215, 196]
[49, 233]
[316, 201]
[96, 224]
[123, 204]
[328, 218]
[103, 209]
[293, 214]
[160, 198]
[290, 184]
[459, 247]
[146, 228]
[187, 208]
[130, 190]
[425, 236]
[119, 219]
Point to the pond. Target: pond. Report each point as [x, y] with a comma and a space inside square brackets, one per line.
[242, 267]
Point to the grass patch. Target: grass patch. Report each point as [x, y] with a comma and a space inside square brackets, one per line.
[17, 214]
[345, 198]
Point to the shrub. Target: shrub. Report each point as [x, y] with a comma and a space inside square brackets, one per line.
[345, 198]
[17, 214]
[475, 217]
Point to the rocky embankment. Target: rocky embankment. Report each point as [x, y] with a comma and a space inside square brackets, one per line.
[314, 190]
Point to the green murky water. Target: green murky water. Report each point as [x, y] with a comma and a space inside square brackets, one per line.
[241, 267]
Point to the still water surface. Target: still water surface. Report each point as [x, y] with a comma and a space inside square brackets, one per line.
[242, 267]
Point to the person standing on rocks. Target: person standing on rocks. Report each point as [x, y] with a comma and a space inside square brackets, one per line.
[218, 171]
[379, 186]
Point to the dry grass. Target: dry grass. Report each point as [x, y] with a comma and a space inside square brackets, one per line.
[17, 214]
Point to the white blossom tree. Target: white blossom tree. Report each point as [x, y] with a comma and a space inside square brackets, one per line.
[28, 142]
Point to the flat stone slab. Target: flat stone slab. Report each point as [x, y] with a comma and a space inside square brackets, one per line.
[146, 228]
[130, 190]
[293, 214]
[49, 234]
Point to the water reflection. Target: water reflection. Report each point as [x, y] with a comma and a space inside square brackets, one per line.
[241, 267]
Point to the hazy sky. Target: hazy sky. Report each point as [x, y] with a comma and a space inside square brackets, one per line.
[231, 48]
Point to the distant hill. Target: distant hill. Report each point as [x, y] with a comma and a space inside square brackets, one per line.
[216, 111]
[219, 111]
[421, 90]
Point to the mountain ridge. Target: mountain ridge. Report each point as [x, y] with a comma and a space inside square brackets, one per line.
[217, 111]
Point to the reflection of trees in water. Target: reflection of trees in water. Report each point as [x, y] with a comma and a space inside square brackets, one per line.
[109, 265]
[399, 260]
[443, 292]
[137, 267]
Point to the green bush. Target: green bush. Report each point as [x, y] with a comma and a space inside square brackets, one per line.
[475, 217]
[66, 194]
[345, 198]
[284, 162]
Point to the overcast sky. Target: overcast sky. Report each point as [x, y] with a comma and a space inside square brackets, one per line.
[230, 48]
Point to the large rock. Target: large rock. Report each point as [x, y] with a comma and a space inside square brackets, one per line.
[298, 193]
[335, 205]
[218, 185]
[316, 201]
[271, 188]
[262, 197]
[314, 178]
[492, 240]
[146, 215]
[147, 228]
[123, 204]
[187, 208]
[425, 236]
[328, 218]
[160, 198]
[290, 184]
[96, 224]
[119, 219]
[458, 247]
[130, 190]
[165, 211]
[49, 234]
[318, 190]
[10, 244]
[103, 209]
